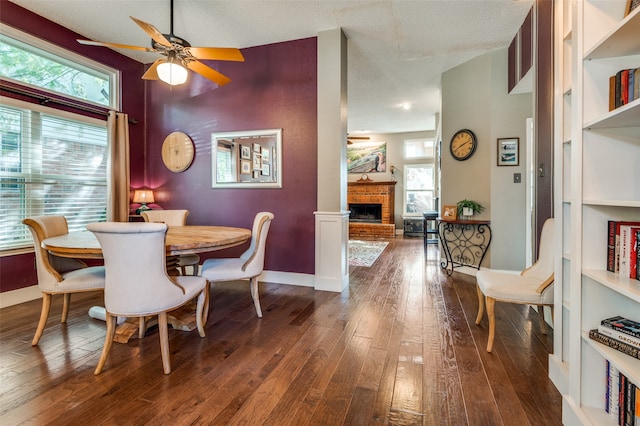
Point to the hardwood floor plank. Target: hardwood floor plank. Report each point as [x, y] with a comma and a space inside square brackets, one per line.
[398, 346]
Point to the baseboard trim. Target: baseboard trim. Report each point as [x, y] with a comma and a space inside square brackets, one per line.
[21, 295]
[288, 278]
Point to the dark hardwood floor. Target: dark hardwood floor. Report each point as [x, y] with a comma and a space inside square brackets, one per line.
[398, 347]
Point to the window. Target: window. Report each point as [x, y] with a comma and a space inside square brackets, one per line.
[29, 61]
[52, 163]
[419, 189]
[418, 148]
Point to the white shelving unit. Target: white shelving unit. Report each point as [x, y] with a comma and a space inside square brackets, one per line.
[597, 179]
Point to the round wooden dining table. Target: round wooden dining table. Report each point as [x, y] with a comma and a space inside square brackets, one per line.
[179, 240]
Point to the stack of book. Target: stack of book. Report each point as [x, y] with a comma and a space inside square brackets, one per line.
[622, 399]
[619, 333]
[623, 255]
[624, 87]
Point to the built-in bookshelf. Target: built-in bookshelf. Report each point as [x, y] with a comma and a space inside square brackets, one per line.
[597, 152]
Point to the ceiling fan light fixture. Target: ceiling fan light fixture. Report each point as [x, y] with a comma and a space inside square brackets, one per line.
[172, 71]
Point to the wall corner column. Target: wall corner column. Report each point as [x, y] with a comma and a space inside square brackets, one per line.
[332, 226]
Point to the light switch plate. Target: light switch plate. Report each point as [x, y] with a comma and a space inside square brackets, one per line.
[517, 178]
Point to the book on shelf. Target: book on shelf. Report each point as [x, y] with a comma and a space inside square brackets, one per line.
[633, 253]
[622, 337]
[612, 93]
[630, 91]
[638, 255]
[636, 84]
[614, 344]
[613, 385]
[637, 406]
[630, 404]
[613, 243]
[627, 243]
[622, 324]
[624, 87]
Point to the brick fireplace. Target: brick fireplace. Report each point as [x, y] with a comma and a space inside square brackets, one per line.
[372, 205]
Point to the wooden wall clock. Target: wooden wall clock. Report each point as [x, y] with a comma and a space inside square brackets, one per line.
[177, 152]
[463, 144]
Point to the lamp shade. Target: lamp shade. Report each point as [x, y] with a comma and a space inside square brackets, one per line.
[172, 73]
[143, 196]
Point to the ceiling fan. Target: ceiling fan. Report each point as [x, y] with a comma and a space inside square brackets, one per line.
[178, 55]
[350, 139]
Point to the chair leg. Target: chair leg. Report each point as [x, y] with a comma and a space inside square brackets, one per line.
[480, 305]
[202, 301]
[205, 309]
[164, 342]
[142, 327]
[66, 301]
[541, 321]
[44, 314]
[490, 301]
[255, 296]
[108, 341]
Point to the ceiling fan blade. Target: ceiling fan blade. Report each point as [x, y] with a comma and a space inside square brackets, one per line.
[208, 72]
[152, 72]
[152, 31]
[114, 45]
[216, 53]
[358, 137]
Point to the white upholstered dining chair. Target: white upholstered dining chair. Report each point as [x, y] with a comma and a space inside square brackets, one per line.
[533, 286]
[174, 218]
[59, 275]
[249, 265]
[137, 284]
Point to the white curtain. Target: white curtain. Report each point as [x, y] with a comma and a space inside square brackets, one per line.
[118, 168]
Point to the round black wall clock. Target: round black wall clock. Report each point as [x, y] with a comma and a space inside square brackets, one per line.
[463, 144]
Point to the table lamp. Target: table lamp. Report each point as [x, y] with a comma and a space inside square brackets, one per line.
[143, 196]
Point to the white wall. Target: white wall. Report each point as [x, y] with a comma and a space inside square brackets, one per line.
[474, 96]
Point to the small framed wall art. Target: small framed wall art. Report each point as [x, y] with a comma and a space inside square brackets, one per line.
[508, 151]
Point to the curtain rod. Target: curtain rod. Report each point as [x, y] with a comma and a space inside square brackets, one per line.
[43, 100]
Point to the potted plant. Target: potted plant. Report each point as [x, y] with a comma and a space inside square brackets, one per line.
[467, 208]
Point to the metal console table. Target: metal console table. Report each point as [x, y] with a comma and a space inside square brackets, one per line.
[464, 242]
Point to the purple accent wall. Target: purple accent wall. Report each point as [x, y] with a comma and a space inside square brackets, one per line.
[274, 88]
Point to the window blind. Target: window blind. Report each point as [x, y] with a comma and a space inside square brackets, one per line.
[52, 163]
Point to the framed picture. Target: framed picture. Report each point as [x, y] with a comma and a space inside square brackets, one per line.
[508, 151]
[245, 152]
[266, 169]
[256, 174]
[266, 156]
[245, 167]
[367, 157]
[257, 161]
[631, 5]
[257, 147]
[449, 212]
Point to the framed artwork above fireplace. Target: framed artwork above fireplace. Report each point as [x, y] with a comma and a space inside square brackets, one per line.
[367, 157]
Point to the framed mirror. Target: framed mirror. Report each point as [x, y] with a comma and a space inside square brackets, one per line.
[247, 159]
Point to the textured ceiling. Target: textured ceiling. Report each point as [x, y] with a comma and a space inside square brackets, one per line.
[397, 49]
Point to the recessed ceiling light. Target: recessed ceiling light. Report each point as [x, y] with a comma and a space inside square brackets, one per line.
[406, 106]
